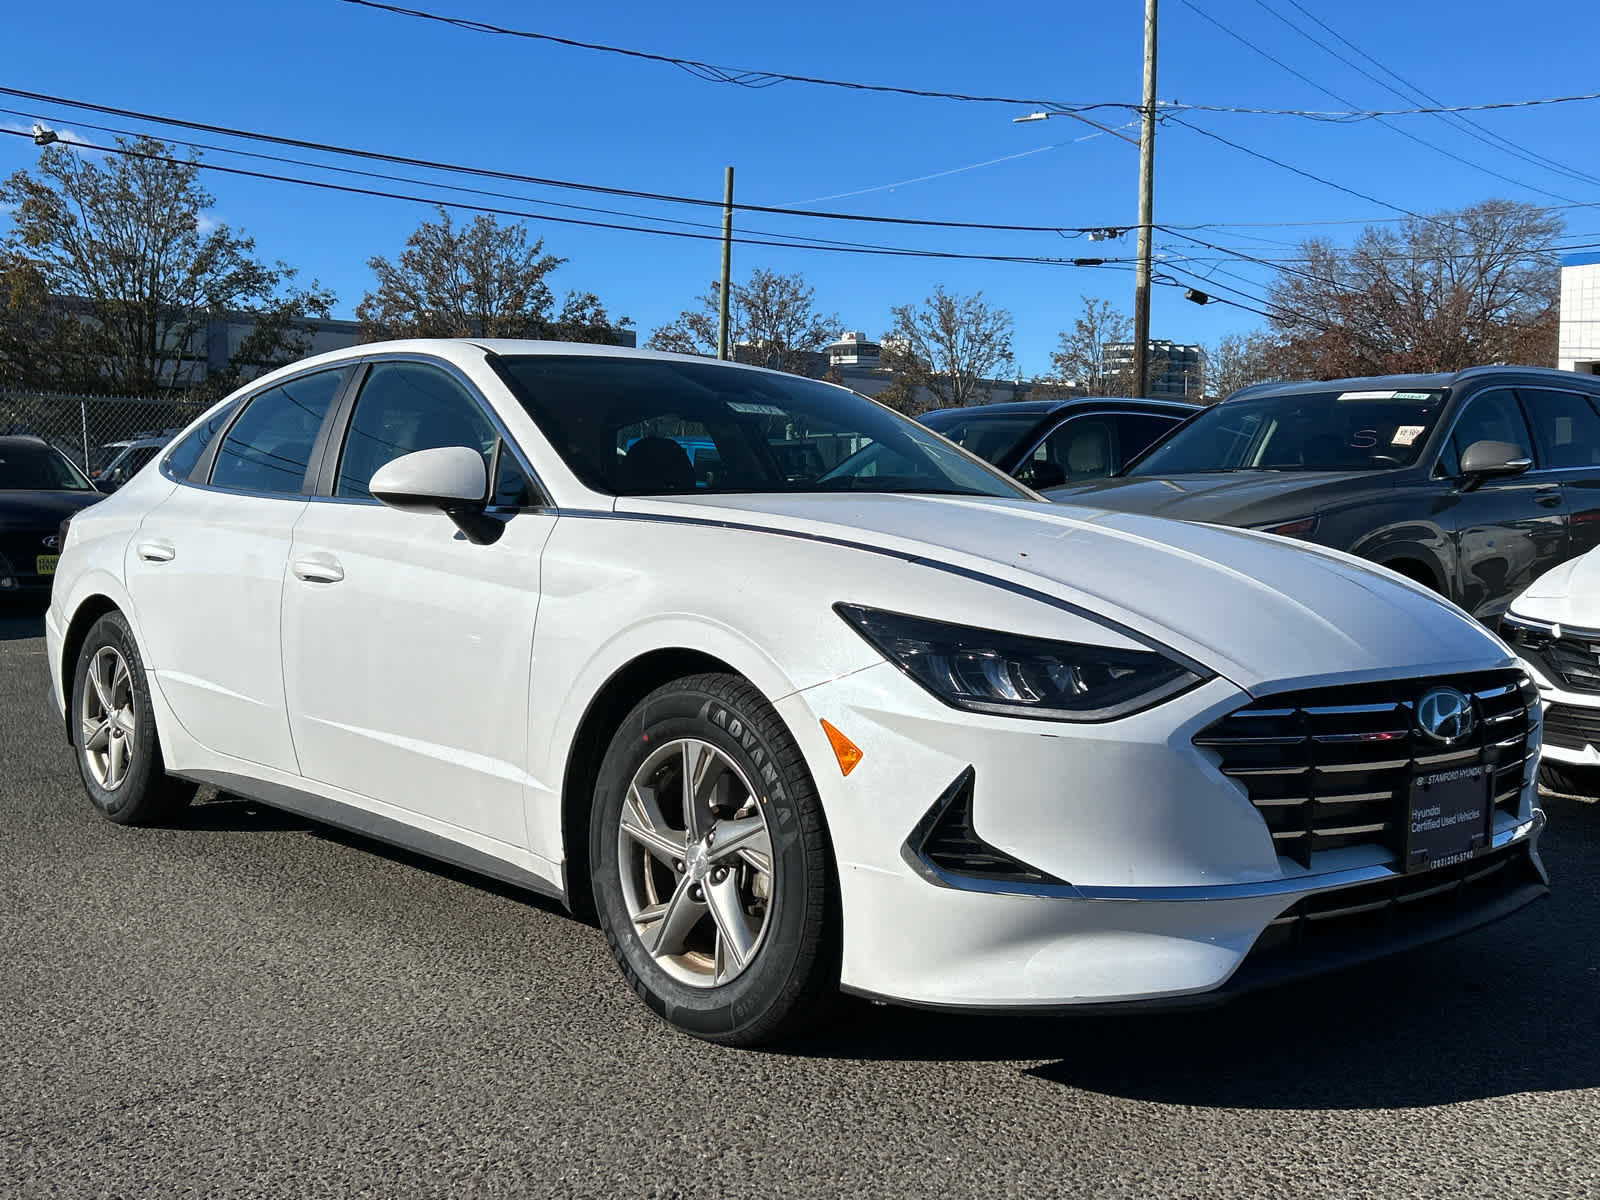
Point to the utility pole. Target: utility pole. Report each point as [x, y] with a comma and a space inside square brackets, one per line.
[727, 261]
[1147, 155]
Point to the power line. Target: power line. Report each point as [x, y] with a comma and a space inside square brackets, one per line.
[889, 251]
[1411, 92]
[513, 177]
[712, 73]
[279, 158]
[1405, 133]
[752, 78]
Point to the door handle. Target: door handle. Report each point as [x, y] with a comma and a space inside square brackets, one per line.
[1547, 498]
[158, 550]
[317, 568]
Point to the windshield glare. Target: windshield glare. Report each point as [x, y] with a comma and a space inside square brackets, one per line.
[32, 468]
[639, 427]
[993, 438]
[1308, 431]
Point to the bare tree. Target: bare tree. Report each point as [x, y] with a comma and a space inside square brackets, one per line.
[121, 250]
[772, 322]
[484, 279]
[1239, 360]
[1439, 293]
[1081, 359]
[947, 348]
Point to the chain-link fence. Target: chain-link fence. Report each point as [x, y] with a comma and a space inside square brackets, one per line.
[94, 431]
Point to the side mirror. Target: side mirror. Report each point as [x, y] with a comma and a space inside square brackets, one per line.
[1487, 459]
[449, 479]
[1040, 474]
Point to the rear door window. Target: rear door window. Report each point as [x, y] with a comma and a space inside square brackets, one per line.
[1567, 429]
[268, 449]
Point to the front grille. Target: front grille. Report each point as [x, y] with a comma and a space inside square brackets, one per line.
[1571, 727]
[1370, 910]
[1571, 661]
[1332, 767]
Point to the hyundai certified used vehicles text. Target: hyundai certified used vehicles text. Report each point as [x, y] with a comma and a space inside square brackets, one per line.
[903, 728]
[1472, 483]
[1045, 443]
[39, 488]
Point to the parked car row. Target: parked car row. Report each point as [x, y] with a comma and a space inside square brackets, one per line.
[594, 621]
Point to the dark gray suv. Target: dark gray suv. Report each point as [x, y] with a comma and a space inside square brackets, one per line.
[1473, 483]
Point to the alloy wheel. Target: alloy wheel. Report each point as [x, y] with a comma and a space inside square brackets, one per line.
[108, 719]
[696, 861]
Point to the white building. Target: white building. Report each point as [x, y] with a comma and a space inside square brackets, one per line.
[1580, 314]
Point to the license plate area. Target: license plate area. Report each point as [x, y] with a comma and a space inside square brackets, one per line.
[45, 564]
[1448, 818]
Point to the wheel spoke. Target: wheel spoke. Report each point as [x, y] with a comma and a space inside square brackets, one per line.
[699, 761]
[96, 734]
[747, 836]
[643, 822]
[669, 923]
[99, 685]
[116, 760]
[121, 680]
[123, 719]
[734, 939]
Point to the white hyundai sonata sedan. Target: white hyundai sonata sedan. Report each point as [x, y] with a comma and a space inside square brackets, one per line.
[867, 716]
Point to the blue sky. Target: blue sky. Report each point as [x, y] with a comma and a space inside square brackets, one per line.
[330, 72]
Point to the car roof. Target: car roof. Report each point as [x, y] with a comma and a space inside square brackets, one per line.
[1431, 381]
[1043, 407]
[22, 439]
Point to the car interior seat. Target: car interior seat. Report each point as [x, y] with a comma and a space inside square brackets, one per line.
[1089, 453]
[655, 464]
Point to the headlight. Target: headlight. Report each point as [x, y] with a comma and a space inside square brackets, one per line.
[982, 670]
[1299, 527]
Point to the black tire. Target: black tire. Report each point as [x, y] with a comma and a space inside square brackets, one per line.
[790, 982]
[143, 794]
[1569, 780]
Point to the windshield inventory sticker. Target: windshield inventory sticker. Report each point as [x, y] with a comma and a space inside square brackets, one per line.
[1413, 396]
[1366, 395]
[1406, 434]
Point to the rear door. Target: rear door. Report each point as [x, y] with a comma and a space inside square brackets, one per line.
[1507, 531]
[1567, 430]
[205, 570]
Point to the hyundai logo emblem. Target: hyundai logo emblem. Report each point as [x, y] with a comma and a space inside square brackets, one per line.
[1445, 715]
[53, 542]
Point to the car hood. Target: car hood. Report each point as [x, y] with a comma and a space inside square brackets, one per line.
[1568, 594]
[1258, 609]
[1226, 497]
[42, 510]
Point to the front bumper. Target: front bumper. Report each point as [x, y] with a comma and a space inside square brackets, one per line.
[1159, 881]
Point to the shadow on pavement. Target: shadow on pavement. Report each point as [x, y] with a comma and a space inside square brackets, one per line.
[1511, 1008]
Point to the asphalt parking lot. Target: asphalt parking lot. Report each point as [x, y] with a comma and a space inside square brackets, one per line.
[254, 1005]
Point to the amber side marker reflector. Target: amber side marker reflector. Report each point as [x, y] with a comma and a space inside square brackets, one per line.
[846, 751]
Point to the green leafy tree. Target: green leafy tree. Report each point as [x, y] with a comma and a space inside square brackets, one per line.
[483, 279]
[124, 255]
[772, 322]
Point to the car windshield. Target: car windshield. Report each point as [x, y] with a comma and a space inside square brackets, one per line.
[1351, 430]
[104, 456]
[37, 468]
[634, 427]
[992, 436]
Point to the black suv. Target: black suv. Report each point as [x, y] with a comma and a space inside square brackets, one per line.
[1473, 483]
[1049, 442]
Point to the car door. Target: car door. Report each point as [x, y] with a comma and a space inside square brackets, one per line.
[406, 647]
[1567, 430]
[1509, 530]
[205, 570]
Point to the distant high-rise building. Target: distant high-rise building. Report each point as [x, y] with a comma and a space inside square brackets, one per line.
[1176, 371]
